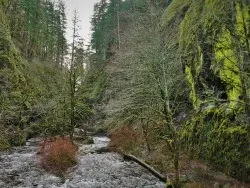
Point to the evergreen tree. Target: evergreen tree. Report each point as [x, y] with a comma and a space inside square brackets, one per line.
[39, 27]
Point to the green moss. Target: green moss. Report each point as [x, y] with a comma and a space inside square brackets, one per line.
[210, 54]
[210, 134]
[174, 10]
[9, 56]
[191, 51]
[229, 71]
[95, 84]
[242, 18]
[200, 26]
[17, 138]
[4, 144]
[98, 87]
[192, 85]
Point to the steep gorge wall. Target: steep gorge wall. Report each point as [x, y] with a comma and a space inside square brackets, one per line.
[29, 91]
[9, 56]
[213, 39]
[10, 62]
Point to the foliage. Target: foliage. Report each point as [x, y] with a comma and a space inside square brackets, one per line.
[35, 93]
[11, 78]
[147, 85]
[214, 55]
[107, 20]
[37, 101]
[213, 136]
[57, 154]
[4, 142]
[38, 28]
[181, 75]
[124, 140]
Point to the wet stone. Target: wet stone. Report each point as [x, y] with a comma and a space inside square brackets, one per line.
[19, 169]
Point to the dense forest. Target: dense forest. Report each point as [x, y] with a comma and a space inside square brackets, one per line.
[168, 80]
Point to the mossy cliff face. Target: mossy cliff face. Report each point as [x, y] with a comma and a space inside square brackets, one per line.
[206, 51]
[11, 79]
[4, 36]
[8, 54]
[32, 94]
[9, 57]
[213, 40]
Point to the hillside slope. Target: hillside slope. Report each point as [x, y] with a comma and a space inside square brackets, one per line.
[31, 92]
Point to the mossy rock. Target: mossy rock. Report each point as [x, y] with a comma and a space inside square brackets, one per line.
[213, 135]
[89, 140]
[17, 138]
[84, 139]
[4, 144]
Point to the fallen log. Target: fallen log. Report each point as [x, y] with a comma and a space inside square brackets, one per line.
[145, 165]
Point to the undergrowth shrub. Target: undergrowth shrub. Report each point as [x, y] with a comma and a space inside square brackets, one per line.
[124, 140]
[57, 154]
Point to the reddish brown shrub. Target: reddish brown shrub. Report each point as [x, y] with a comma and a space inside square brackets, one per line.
[57, 154]
[124, 140]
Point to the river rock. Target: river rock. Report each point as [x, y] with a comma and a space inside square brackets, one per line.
[19, 168]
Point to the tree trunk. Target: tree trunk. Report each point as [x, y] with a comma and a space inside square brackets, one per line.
[145, 165]
[145, 134]
[176, 162]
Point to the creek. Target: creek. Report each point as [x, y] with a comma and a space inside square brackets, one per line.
[19, 168]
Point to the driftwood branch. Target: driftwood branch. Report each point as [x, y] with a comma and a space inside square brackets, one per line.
[145, 165]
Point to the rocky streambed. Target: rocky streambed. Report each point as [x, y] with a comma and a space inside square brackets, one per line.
[19, 168]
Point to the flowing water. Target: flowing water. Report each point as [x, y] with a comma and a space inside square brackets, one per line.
[19, 169]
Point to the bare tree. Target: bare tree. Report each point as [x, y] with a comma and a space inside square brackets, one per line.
[153, 86]
[72, 73]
